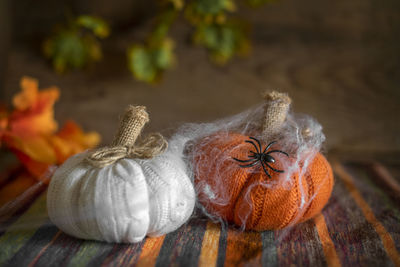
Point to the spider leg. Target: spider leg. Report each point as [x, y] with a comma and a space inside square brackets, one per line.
[254, 155]
[251, 142]
[252, 152]
[269, 145]
[249, 165]
[265, 170]
[275, 170]
[278, 151]
[258, 142]
[243, 161]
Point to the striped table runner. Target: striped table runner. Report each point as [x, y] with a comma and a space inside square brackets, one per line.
[359, 227]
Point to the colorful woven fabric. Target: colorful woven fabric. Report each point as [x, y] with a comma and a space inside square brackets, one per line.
[360, 226]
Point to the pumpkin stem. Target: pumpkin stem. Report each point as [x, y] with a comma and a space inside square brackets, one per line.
[276, 109]
[124, 146]
[130, 126]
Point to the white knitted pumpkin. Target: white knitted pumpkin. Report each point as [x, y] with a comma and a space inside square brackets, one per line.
[171, 193]
[124, 199]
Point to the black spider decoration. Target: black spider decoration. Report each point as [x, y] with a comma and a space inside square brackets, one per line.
[262, 157]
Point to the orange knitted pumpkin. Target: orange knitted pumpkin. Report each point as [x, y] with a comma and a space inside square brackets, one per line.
[252, 197]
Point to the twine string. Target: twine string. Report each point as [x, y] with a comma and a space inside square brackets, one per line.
[125, 145]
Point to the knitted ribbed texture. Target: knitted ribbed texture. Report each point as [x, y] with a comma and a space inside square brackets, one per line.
[246, 196]
[121, 202]
[107, 204]
[171, 193]
[106, 195]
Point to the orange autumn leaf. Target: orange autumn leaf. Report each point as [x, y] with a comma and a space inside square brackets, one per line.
[36, 168]
[33, 112]
[37, 148]
[38, 155]
[3, 121]
[28, 96]
[31, 121]
[71, 140]
[30, 130]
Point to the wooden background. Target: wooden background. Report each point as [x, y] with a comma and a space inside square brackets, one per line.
[339, 60]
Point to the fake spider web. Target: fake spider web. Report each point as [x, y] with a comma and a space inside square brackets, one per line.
[300, 137]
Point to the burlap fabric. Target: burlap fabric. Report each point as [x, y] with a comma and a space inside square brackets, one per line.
[125, 145]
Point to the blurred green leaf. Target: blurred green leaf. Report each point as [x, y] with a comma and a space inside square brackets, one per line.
[72, 47]
[140, 64]
[209, 11]
[222, 40]
[66, 50]
[222, 36]
[212, 7]
[163, 55]
[148, 63]
[164, 21]
[177, 4]
[97, 25]
[258, 3]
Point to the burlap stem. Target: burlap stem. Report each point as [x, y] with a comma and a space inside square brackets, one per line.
[131, 125]
[276, 109]
[123, 146]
